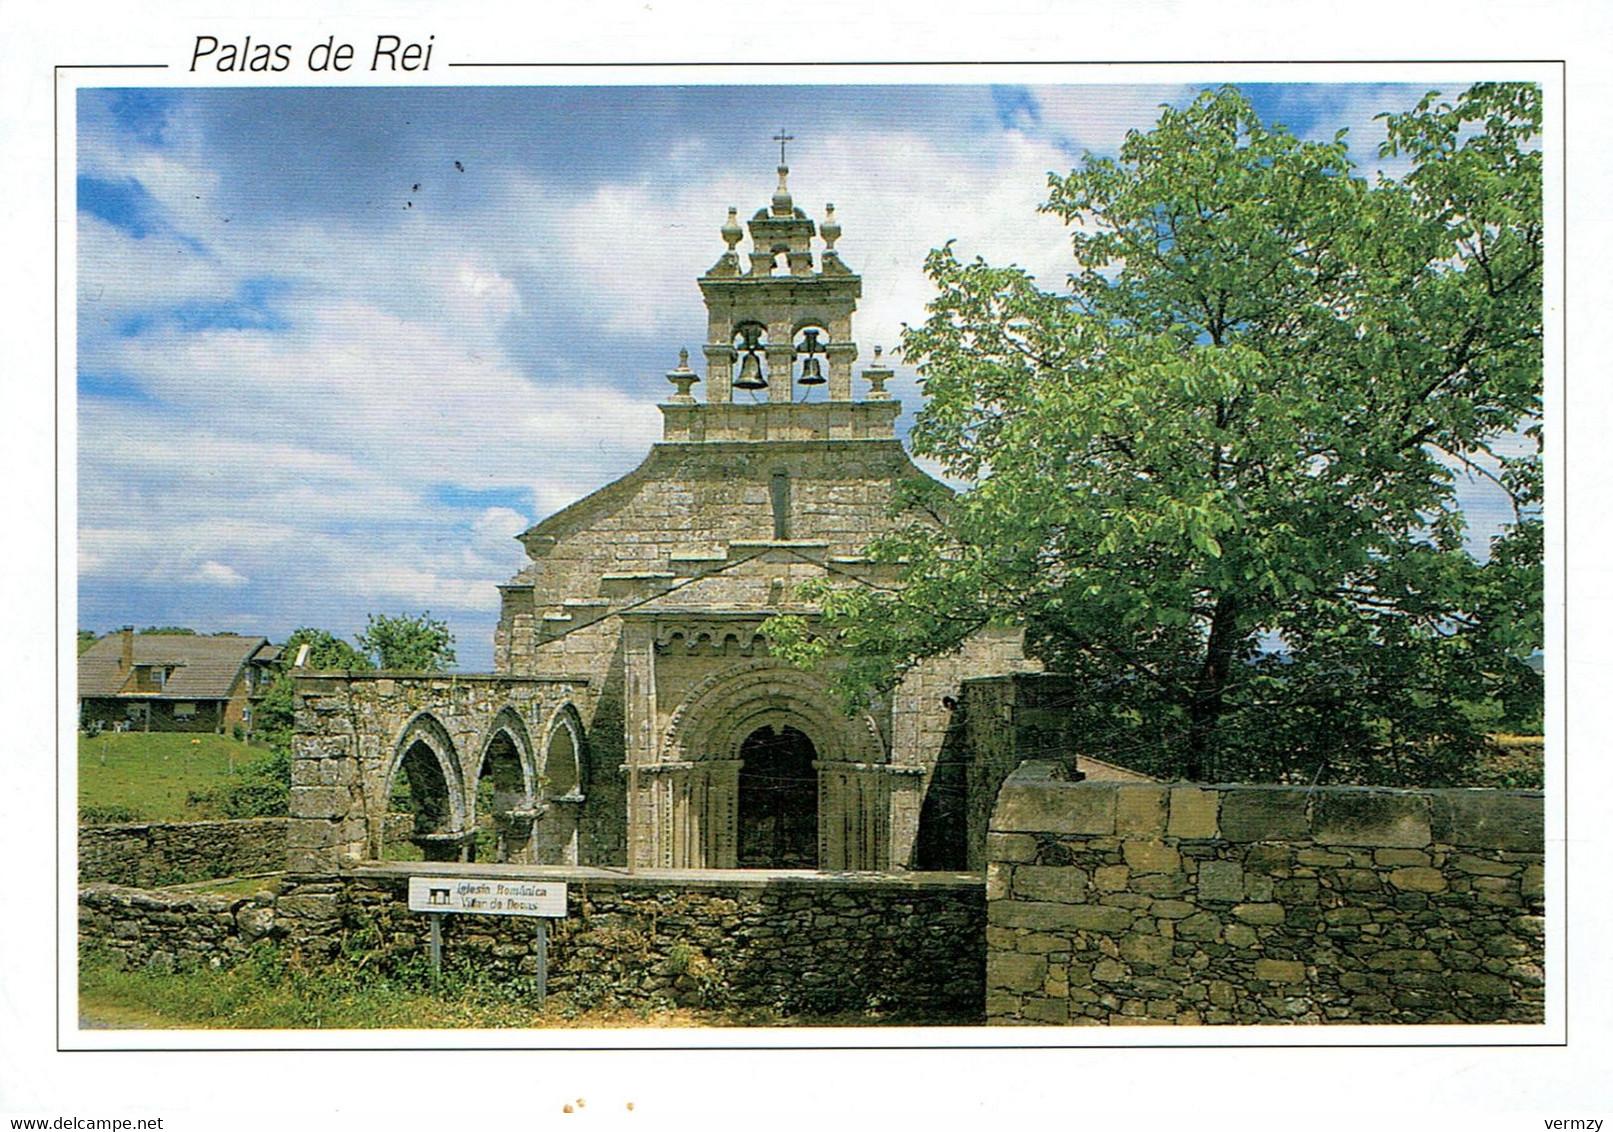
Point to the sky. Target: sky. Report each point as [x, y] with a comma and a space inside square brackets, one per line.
[336, 347]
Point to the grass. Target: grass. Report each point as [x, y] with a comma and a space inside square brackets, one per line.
[136, 776]
[264, 992]
[233, 886]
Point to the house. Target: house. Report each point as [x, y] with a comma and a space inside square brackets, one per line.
[172, 682]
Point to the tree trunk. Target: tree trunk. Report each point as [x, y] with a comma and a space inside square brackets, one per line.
[1205, 709]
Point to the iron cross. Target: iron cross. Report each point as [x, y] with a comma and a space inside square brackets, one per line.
[781, 137]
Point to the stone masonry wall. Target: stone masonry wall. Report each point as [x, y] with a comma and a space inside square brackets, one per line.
[907, 946]
[172, 930]
[153, 853]
[1120, 903]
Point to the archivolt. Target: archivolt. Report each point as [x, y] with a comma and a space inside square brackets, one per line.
[723, 710]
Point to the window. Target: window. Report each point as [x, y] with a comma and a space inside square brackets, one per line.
[184, 711]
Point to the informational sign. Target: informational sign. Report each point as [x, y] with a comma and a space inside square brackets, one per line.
[488, 896]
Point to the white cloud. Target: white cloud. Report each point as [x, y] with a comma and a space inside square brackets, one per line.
[212, 573]
[418, 588]
[1097, 118]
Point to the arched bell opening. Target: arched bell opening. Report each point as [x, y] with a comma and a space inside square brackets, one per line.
[778, 800]
[811, 371]
[750, 366]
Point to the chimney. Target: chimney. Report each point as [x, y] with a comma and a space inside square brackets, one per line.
[127, 660]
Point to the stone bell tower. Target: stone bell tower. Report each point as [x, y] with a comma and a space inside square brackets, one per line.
[779, 347]
[651, 599]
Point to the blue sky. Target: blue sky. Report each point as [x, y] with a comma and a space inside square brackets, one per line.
[337, 346]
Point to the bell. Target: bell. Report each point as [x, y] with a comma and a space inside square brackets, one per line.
[750, 374]
[811, 372]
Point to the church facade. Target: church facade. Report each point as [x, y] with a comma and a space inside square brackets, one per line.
[656, 590]
[647, 723]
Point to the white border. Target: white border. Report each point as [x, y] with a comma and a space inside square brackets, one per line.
[1561, 1082]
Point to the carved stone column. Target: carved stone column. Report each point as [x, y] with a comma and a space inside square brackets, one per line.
[858, 803]
[693, 809]
[644, 812]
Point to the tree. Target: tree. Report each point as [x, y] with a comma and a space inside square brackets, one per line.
[1216, 478]
[417, 642]
[326, 652]
[274, 716]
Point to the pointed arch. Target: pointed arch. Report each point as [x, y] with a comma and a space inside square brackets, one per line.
[508, 754]
[564, 765]
[504, 797]
[558, 838]
[426, 755]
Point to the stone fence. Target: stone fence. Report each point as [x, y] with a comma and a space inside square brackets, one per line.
[907, 945]
[1121, 903]
[171, 929]
[145, 854]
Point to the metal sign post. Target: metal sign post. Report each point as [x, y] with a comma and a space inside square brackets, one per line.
[489, 896]
[435, 920]
[543, 962]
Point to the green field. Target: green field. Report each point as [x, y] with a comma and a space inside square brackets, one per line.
[149, 777]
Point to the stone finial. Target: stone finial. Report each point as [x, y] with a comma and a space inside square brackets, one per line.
[783, 203]
[732, 233]
[877, 375]
[684, 378]
[830, 229]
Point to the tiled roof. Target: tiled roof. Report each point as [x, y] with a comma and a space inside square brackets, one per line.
[204, 668]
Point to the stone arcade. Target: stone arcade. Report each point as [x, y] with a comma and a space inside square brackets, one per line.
[636, 717]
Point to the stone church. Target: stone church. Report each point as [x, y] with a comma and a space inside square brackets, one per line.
[644, 721]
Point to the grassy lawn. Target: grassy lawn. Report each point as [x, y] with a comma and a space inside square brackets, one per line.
[149, 776]
[261, 993]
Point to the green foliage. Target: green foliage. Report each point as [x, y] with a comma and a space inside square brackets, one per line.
[86, 638]
[267, 988]
[413, 642]
[1215, 480]
[326, 652]
[107, 814]
[167, 631]
[261, 789]
[274, 715]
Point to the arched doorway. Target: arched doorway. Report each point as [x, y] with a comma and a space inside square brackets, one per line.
[778, 800]
[761, 752]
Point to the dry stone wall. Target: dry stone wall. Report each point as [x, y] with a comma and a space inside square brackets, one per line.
[169, 930]
[903, 946]
[146, 854]
[1121, 903]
